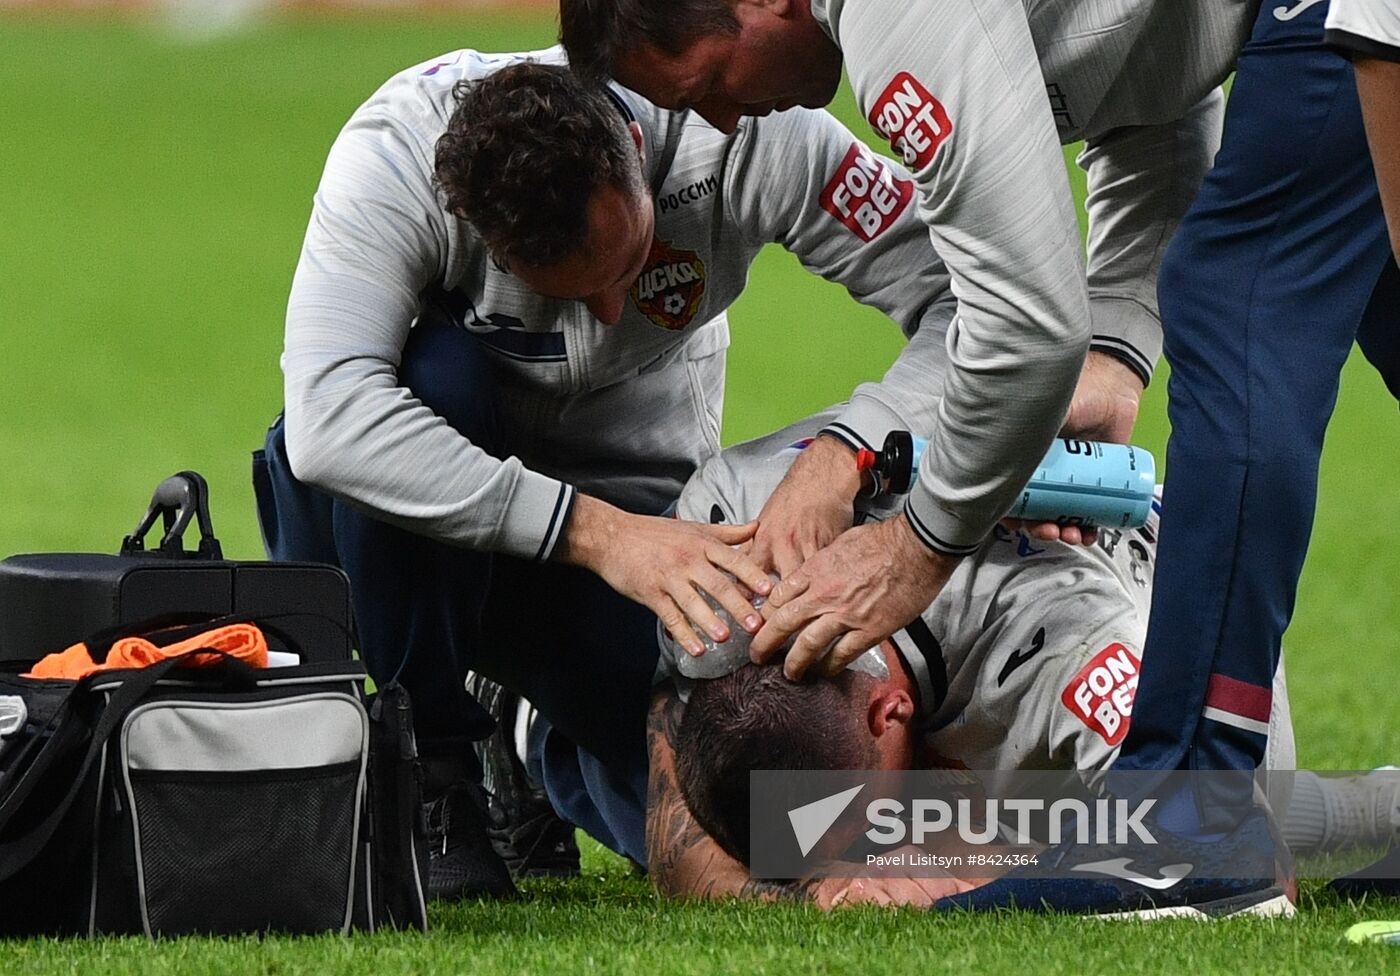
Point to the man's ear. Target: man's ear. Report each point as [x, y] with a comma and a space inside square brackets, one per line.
[637, 140]
[889, 710]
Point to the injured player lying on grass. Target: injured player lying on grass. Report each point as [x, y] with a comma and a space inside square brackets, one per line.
[1026, 661]
[998, 673]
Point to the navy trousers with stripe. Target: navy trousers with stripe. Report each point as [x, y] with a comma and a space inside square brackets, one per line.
[1281, 263]
[427, 612]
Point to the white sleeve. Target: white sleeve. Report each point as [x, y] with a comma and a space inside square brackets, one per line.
[1044, 655]
[1141, 181]
[1365, 28]
[957, 89]
[1086, 696]
[378, 235]
[803, 180]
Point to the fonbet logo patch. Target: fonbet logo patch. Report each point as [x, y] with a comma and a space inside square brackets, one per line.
[864, 195]
[1101, 695]
[914, 122]
[671, 287]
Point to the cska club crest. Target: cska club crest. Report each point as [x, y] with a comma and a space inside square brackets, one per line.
[671, 288]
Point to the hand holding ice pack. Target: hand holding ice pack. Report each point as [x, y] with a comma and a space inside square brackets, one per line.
[726, 657]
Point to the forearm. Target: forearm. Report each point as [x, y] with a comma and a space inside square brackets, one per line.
[591, 525]
[1014, 355]
[715, 875]
[1005, 399]
[996, 199]
[355, 431]
[701, 871]
[684, 862]
[908, 395]
[1378, 84]
[1141, 182]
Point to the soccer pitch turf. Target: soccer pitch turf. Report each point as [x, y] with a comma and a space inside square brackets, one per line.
[155, 193]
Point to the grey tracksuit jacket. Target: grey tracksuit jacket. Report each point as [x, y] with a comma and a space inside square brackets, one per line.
[977, 96]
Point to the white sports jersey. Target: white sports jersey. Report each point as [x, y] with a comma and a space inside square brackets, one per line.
[624, 412]
[1365, 28]
[1029, 657]
[960, 90]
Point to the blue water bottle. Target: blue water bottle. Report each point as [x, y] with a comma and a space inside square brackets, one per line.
[1078, 482]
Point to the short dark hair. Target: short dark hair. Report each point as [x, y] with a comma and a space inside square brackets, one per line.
[524, 151]
[756, 718]
[593, 31]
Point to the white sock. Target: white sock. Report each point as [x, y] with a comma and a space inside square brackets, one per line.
[1306, 822]
[1343, 812]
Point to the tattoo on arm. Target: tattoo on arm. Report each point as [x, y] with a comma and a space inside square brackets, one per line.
[666, 714]
[672, 832]
[682, 858]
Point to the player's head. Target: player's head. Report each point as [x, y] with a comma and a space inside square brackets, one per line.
[757, 719]
[549, 173]
[723, 58]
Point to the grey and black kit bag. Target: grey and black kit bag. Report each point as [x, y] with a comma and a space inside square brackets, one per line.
[227, 799]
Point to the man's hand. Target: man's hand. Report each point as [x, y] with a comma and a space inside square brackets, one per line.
[1105, 405]
[894, 885]
[814, 503]
[664, 564]
[850, 596]
[1105, 408]
[891, 892]
[1073, 535]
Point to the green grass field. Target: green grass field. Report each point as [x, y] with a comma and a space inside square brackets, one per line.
[155, 191]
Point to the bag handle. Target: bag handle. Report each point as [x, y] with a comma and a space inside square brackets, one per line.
[177, 500]
[16, 854]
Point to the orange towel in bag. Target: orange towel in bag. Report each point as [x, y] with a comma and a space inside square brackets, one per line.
[243, 641]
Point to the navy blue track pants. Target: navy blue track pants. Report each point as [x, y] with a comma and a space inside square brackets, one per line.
[1281, 263]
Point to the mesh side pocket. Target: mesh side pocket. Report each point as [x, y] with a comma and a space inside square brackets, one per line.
[267, 850]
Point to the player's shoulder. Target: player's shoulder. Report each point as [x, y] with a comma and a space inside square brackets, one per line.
[827, 14]
[733, 486]
[422, 96]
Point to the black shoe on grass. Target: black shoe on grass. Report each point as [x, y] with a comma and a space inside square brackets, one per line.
[461, 861]
[524, 829]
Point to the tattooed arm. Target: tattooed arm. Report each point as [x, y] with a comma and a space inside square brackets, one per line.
[683, 860]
